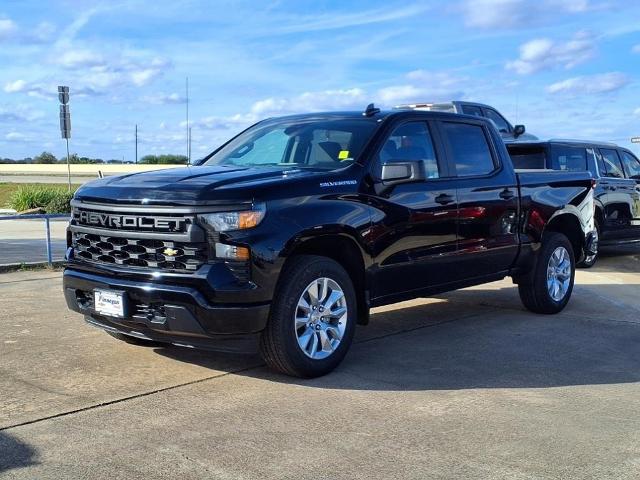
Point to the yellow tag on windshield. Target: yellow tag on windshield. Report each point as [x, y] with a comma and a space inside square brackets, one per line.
[343, 155]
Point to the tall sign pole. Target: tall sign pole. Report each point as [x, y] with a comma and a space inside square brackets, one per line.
[188, 129]
[65, 125]
[136, 143]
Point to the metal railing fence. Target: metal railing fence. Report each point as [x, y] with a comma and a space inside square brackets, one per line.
[47, 225]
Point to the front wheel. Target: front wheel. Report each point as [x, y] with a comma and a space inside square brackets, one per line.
[548, 286]
[312, 319]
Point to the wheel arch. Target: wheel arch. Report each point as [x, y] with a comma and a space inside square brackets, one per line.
[344, 249]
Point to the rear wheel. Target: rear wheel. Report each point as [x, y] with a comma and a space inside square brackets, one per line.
[548, 287]
[312, 318]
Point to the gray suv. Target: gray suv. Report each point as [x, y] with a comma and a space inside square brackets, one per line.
[507, 131]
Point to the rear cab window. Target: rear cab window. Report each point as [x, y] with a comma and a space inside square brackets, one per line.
[469, 149]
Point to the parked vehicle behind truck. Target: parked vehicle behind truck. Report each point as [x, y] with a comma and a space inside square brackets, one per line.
[507, 131]
[617, 191]
[290, 232]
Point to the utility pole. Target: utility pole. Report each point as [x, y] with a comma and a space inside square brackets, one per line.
[65, 125]
[188, 129]
[136, 143]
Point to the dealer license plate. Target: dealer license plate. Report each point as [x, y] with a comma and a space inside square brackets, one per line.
[109, 302]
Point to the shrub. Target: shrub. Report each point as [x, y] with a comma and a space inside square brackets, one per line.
[39, 196]
[60, 203]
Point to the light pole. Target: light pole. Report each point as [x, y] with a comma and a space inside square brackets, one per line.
[65, 124]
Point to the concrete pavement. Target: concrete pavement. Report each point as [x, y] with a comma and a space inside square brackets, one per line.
[466, 385]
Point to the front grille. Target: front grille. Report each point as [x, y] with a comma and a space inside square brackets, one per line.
[145, 253]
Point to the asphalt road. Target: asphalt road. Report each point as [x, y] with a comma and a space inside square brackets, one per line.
[75, 179]
[466, 385]
[23, 241]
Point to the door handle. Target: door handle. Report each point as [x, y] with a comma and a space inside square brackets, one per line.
[444, 199]
[507, 194]
[612, 187]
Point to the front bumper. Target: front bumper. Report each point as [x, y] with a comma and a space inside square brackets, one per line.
[165, 312]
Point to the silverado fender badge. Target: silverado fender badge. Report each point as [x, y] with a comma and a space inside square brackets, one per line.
[338, 183]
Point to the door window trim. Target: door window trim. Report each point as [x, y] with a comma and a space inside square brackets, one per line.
[509, 126]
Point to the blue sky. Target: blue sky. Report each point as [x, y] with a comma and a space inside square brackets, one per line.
[565, 68]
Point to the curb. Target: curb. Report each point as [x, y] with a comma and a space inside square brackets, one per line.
[14, 267]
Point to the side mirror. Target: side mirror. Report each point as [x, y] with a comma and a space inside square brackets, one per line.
[394, 173]
[518, 130]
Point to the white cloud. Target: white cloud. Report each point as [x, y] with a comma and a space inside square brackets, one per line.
[501, 14]
[164, 99]
[16, 86]
[79, 59]
[545, 54]
[15, 136]
[311, 101]
[590, 84]
[19, 114]
[8, 28]
[636, 112]
[635, 48]
[422, 86]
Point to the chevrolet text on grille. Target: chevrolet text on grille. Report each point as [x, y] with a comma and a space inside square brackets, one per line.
[127, 221]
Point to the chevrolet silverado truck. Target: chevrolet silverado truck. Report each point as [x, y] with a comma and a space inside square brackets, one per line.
[288, 234]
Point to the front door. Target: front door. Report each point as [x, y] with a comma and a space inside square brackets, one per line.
[632, 172]
[413, 232]
[617, 199]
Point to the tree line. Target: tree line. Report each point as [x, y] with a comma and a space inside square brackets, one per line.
[50, 158]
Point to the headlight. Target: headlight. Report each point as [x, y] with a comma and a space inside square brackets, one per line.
[224, 221]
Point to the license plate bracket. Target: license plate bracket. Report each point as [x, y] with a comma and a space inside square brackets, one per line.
[111, 303]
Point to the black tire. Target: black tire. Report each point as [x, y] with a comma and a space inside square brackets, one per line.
[134, 340]
[279, 342]
[589, 262]
[533, 289]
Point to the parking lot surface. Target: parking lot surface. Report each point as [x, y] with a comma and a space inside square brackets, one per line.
[465, 385]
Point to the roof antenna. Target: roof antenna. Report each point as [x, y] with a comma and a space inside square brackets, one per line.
[371, 110]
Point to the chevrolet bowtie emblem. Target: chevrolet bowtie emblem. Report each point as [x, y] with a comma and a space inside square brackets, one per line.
[170, 252]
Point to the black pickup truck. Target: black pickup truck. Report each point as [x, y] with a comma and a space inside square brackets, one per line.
[290, 232]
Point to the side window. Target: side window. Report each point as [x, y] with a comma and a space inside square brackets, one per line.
[631, 165]
[499, 121]
[469, 148]
[612, 163]
[573, 159]
[472, 110]
[410, 142]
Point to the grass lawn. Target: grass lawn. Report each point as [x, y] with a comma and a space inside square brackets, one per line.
[6, 189]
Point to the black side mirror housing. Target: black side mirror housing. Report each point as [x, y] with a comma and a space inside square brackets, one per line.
[518, 130]
[394, 173]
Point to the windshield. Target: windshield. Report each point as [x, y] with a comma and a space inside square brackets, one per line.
[325, 144]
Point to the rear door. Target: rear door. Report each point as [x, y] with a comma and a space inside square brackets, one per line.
[619, 198]
[487, 199]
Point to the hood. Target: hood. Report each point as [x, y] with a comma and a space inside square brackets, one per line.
[187, 185]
